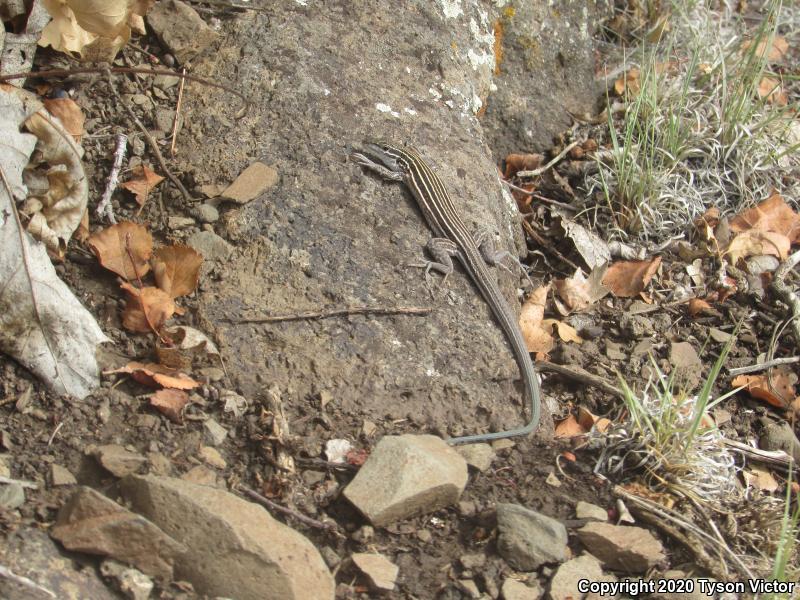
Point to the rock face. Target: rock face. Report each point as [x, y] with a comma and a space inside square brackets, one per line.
[89, 522]
[405, 476]
[627, 549]
[529, 539]
[235, 548]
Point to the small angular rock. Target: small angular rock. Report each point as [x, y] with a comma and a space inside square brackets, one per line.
[379, 570]
[478, 456]
[405, 476]
[564, 584]
[215, 432]
[623, 548]
[61, 476]
[89, 522]
[516, 590]
[235, 548]
[254, 180]
[12, 495]
[118, 461]
[210, 245]
[529, 539]
[212, 457]
[585, 510]
[180, 28]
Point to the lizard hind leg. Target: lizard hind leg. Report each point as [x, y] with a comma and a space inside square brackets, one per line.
[494, 257]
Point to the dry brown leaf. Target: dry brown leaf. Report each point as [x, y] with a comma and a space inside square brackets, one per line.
[146, 309]
[154, 375]
[773, 214]
[760, 479]
[188, 346]
[772, 90]
[569, 428]
[756, 243]
[537, 339]
[574, 291]
[142, 183]
[69, 113]
[697, 306]
[170, 403]
[776, 389]
[522, 162]
[629, 83]
[116, 245]
[628, 278]
[566, 332]
[775, 50]
[588, 420]
[176, 269]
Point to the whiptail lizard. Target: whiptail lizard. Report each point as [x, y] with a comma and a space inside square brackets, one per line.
[453, 239]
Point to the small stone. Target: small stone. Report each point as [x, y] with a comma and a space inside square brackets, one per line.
[212, 190]
[424, 536]
[719, 336]
[330, 557]
[504, 444]
[254, 180]
[527, 539]
[379, 570]
[213, 374]
[164, 120]
[104, 411]
[469, 587]
[364, 534]
[117, 460]
[147, 421]
[466, 508]
[687, 364]
[210, 245]
[313, 477]
[553, 480]
[181, 29]
[215, 432]
[205, 213]
[623, 548]
[212, 457]
[564, 584]
[516, 590]
[472, 561]
[368, 428]
[61, 476]
[5, 465]
[614, 351]
[12, 496]
[164, 82]
[159, 464]
[201, 476]
[478, 456]
[585, 510]
[179, 222]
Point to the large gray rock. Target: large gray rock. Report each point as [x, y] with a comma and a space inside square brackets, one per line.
[629, 549]
[529, 539]
[235, 548]
[405, 476]
[89, 522]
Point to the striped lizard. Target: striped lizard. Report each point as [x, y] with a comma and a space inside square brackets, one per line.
[453, 240]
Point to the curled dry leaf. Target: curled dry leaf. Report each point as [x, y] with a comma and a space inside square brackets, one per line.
[177, 269]
[588, 420]
[189, 346]
[760, 479]
[698, 306]
[755, 242]
[146, 309]
[578, 292]
[522, 162]
[94, 29]
[569, 428]
[58, 186]
[773, 214]
[144, 180]
[567, 333]
[773, 91]
[155, 375]
[537, 338]
[124, 248]
[774, 49]
[626, 279]
[775, 388]
[628, 83]
[69, 114]
[170, 403]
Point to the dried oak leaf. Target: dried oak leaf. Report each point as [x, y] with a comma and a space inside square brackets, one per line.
[579, 292]
[567, 333]
[775, 49]
[176, 269]
[772, 90]
[522, 162]
[115, 246]
[629, 83]
[569, 428]
[773, 214]
[146, 309]
[144, 180]
[587, 420]
[697, 306]
[69, 113]
[537, 338]
[155, 375]
[760, 479]
[170, 403]
[628, 278]
[777, 389]
[755, 242]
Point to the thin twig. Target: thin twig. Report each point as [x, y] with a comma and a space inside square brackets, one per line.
[150, 141]
[55, 433]
[177, 116]
[24, 581]
[546, 167]
[254, 495]
[225, 4]
[544, 199]
[355, 310]
[788, 360]
[543, 243]
[124, 70]
[20, 482]
[104, 206]
[581, 376]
